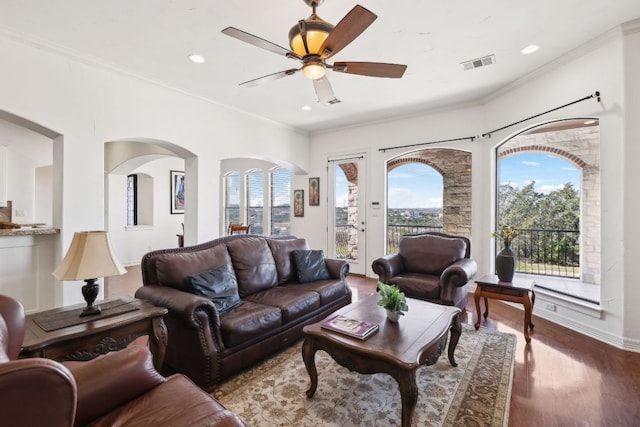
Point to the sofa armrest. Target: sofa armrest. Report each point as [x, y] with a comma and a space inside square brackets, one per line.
[111, 380]
[36, 392]
[459, 273]
[338, 268]
[388, 266]
[182, 304]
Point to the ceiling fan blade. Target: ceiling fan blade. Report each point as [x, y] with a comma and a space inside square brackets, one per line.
[259, 42]
[324, 91]
[269, 77]
[372, 69]
[350, 27]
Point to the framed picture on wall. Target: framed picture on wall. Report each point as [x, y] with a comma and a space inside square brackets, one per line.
[177, 192]
[298, 202]
[314, 191]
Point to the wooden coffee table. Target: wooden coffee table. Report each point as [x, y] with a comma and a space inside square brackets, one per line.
[47, 337]
[397, 349]
[489, 286]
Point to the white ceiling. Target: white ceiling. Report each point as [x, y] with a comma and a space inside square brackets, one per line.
[152, 39]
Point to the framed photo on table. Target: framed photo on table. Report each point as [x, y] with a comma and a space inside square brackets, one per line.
[314, 191]
[298, 202]
[177, 192]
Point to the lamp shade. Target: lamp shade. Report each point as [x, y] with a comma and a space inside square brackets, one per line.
[90, 256]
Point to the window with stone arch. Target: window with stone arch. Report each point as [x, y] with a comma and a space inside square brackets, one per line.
[428, 190]
[548, 186]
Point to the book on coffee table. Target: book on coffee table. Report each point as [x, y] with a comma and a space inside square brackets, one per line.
[351, 327]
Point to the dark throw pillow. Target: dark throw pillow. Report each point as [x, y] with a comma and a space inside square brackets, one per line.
[218, 284]
[310, 265]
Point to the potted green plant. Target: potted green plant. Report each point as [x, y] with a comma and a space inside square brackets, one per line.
[393, 300]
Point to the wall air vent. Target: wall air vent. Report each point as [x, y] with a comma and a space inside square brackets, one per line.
[480, 62]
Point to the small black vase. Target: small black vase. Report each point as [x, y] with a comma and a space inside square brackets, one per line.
[505, 264]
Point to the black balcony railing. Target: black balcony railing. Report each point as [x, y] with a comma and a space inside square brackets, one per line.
[547, 252]
[538, 251]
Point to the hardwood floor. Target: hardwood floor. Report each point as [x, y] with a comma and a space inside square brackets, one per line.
[562, 378]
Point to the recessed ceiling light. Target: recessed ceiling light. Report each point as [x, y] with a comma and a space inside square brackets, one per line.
[306, 108]
[530, 49]
[198, 59]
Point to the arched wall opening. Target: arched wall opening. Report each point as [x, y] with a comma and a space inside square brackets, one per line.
[155, 161]
[32, 175]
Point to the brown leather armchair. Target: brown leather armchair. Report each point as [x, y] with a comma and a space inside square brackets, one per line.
[119, 388]
[431, 266]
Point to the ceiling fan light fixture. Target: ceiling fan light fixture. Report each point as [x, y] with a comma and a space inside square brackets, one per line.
[307, 36]
[314, 70]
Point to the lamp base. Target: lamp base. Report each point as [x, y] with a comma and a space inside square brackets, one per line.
[90, 292]
[91, 311]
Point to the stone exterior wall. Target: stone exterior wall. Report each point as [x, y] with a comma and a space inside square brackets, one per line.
[581, 147]
[455, 168]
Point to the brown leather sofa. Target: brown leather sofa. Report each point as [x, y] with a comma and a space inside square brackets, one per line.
[209, 346]
[431, 266]
[116, 389]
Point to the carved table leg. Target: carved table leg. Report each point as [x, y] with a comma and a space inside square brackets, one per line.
[308, 355]
[456, 331]
[533, 302]
[408, 395]
[527, 315]
[476, 297]
[158, 342]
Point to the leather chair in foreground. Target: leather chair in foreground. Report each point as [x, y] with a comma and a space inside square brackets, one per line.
[116, 389]
[431, 266]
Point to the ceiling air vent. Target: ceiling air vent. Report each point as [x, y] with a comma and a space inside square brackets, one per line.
[480, 62]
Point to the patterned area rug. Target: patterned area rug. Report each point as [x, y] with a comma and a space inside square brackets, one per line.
[475, 393]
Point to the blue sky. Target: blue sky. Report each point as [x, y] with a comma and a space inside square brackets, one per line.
[420, 186]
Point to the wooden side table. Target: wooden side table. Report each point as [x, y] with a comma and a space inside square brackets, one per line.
[47, 336]
[488, 286]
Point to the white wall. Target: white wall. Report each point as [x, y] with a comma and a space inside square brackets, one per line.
[602, 65]
[21, 187]
[82, 107]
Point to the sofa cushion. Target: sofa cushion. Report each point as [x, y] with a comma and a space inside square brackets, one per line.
[172, 268]
[310, 265]
[293, 301]
[218, 284]
[253, 263]
[329, 290]
[430, 254]
[282, 250]
[247, 321]
[418, 285]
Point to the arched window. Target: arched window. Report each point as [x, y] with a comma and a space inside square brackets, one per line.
[280, 201]
[548, 187]
[429, 190]
[414, 201]
[255, 200]
[231, 199]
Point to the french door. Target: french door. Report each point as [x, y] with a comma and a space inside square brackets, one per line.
[347, 202]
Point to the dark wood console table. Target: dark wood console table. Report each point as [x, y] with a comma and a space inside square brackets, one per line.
[47, 336]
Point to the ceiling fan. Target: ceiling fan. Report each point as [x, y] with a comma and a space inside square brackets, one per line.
[313, 41]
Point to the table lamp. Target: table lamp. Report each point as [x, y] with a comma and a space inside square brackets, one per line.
[90, 256]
